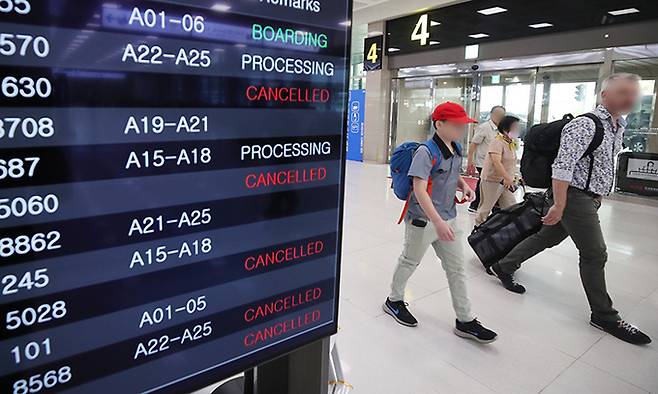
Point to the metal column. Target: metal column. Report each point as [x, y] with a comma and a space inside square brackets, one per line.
[304, 371]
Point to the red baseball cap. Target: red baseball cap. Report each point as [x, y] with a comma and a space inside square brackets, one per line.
[451, 112]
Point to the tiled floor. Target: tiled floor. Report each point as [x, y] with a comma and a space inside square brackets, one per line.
[545, 343]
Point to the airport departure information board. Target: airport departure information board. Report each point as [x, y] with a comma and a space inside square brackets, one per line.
[171, 178]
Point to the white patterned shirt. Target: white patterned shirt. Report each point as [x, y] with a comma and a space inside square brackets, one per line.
[570, 165]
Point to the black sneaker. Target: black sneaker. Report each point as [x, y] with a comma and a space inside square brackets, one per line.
[506, 279]
[475, 330]
[622, 330]
[472, 210]
[399, 311]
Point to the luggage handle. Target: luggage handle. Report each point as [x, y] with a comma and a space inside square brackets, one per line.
[544, 194]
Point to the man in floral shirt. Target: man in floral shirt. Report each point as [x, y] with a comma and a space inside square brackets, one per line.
[576, 198]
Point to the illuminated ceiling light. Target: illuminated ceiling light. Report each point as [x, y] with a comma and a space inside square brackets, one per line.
[492, 10]
[541, 25]
[346, 23]
[479, 35]
[471, 52]
[393, 49]
[625, 11]
[606, 35]
[219, 7]
[434, 23]
[435, 42]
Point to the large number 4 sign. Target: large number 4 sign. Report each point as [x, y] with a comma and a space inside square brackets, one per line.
[421, 31]
[373, 53]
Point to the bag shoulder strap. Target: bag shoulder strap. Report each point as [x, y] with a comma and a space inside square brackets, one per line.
[435, 152]
[597, 140]
[599, 133]
[459, 148]
[437, 156]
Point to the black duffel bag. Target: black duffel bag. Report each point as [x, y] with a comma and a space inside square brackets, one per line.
[506, 228]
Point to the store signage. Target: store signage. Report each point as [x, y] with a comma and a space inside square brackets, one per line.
[372, 59]
[170, 189]
[642, 169]
[638, 173]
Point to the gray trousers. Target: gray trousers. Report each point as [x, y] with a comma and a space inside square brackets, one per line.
[580, 222]
[416, 242]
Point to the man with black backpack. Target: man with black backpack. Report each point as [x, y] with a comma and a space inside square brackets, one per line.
[582, 173]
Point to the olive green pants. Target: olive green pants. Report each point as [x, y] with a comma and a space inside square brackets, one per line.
[580, 222]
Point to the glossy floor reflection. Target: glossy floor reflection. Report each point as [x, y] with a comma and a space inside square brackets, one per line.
[545, 343]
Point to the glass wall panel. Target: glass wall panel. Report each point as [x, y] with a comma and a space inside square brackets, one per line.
[414, 107]
[571, 98]
[567, 90]
[511, 89]
[490, 96]
[517, 99]
[556, 92]
[540, 101]
[450, 89]
[642, 131]
[414, 100]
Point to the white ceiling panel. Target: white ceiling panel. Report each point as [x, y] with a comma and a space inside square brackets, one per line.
[366, 11]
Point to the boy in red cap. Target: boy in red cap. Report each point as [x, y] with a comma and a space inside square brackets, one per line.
[430, 220]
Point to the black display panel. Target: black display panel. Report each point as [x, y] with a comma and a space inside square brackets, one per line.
[372, 56]
[171, 188]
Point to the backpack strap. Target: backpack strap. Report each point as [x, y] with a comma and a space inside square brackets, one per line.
[458, 150]
[437, 156]
[436, 161]
[597, 140]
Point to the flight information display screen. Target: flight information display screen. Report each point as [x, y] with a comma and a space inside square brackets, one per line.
[171, 178]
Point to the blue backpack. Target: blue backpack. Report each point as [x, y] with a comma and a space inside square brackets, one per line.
[401, 162]
[401, 159]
